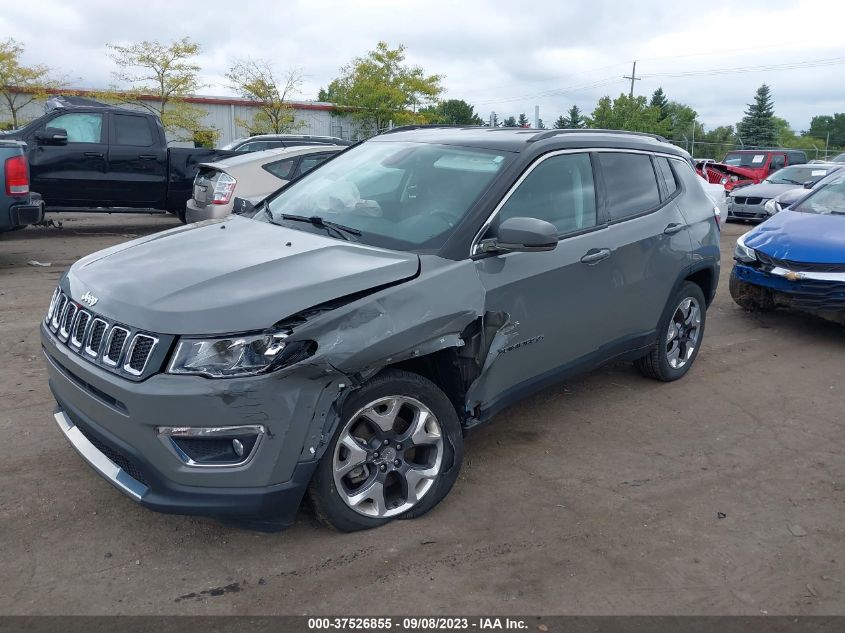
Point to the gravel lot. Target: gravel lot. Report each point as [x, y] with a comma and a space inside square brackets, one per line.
[600, 496]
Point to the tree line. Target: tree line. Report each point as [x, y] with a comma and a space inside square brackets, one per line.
[377, 90]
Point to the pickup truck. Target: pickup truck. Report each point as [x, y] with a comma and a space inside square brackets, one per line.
[748, 166]
[106, 158]
[18, 205]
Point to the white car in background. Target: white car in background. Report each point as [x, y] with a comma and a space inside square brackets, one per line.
[251, 175]
[718, 195]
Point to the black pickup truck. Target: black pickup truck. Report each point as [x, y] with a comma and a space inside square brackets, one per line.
[105, 158]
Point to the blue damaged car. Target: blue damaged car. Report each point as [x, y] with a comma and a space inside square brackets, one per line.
[796, 259]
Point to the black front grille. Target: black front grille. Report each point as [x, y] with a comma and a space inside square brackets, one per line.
[800, 266]
[126, 464]
[823, 296]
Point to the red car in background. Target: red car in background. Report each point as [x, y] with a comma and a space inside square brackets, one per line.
[748, 166]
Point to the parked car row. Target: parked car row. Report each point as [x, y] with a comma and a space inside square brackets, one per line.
[753, 202]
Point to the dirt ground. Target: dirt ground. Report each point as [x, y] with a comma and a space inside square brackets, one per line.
[721, 493]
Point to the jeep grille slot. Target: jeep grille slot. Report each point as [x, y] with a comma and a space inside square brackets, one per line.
[114, 348]
[95, 337]
[139, 352]
[67, 320]
[79, 328]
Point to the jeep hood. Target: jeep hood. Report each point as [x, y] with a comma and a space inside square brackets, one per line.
[801, 237]
[230, 275]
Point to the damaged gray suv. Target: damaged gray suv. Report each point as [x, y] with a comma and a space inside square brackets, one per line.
[341, 338]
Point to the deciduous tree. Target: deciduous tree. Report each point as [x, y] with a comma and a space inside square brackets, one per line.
[259, 81]
[20, 84]
[381, 87]
[166, 72]
[453, 112]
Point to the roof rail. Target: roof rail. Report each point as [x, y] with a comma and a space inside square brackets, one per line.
[550, 133]
[430, 126]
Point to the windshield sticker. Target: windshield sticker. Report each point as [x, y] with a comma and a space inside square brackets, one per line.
[758, 158]
[818, 172]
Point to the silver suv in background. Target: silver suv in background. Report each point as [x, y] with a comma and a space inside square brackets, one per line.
[342, 340]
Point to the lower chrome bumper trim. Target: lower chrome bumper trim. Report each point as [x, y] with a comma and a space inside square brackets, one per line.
[102, 464]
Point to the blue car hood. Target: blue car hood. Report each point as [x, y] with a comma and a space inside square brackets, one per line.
[801, 237]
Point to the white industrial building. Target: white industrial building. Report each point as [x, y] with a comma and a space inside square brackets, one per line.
[223, 113]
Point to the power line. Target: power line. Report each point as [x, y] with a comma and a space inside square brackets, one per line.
[812, 63]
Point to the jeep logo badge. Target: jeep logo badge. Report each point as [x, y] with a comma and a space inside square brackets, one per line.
[89, 299]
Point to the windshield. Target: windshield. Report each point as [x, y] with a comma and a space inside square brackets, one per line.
[829, 199]
[405, 196]
[745, 160]
[798, 175]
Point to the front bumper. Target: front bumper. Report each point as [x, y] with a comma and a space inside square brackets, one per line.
[112, 422]
[807, 291]
[747, 211]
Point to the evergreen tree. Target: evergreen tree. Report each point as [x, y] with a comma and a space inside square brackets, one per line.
[509, 122]
[659, 100]
[575, 119]
[523, 120]
[541, 125]
[561, 123]
[758, 127]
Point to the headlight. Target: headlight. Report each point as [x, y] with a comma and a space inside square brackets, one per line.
[238, 355]
[772, 206]
[743, 253]
[723, 181]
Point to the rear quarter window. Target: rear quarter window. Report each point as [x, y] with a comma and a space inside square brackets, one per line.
[665, 174]
[630, 183]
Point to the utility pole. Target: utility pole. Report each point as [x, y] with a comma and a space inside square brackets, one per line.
[633, 78]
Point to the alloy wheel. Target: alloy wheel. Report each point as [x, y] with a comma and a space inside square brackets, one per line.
[388, 456]
[684, 333]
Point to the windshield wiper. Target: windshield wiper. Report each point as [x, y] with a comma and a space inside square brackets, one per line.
[315, 220]
[789, 181]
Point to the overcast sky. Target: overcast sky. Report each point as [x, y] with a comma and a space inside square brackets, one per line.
[500, 56]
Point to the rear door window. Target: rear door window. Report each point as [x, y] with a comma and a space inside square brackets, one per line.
[281, 169]
[630, 182]
[665, 174]
[132, 130]
[311, 161]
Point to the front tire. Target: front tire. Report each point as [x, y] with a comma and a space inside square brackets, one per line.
[680, 333]
[396, 454]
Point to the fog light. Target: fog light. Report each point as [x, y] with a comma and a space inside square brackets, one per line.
[224, 446]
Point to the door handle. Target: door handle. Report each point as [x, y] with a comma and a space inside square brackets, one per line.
[594, 256]
[147, 157]
[673, 228]
[93, 154]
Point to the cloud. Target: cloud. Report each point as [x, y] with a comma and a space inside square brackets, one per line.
[501, 56]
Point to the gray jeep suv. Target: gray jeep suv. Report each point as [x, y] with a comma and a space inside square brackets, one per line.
[341, 338]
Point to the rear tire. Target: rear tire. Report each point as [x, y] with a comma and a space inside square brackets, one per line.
[396, 453]
[680, 332]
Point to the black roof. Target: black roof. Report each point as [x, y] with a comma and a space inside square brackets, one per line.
[522, 139]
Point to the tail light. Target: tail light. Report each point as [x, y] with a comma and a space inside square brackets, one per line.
[223, 189]
[17, 176]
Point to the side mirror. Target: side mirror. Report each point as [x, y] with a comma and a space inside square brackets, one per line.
[810, 184]
[522, 235]
[51, 136]
[241, 206]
